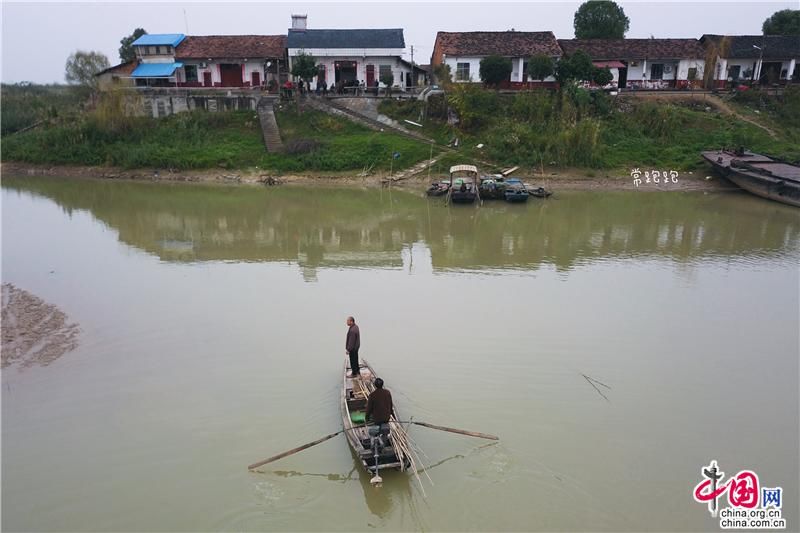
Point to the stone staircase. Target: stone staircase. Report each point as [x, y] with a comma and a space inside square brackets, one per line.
[269, 126]
[330, 106]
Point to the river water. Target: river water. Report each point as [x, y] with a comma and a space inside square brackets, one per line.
[212, 336]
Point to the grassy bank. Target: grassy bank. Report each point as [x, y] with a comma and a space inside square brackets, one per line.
[200, 140]
[25, 104]
[576, 128]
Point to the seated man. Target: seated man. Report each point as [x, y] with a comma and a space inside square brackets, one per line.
[379, 404]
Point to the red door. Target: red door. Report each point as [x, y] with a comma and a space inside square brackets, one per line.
[370, 75]
[206, 79]
[231, 74]
[255, 79]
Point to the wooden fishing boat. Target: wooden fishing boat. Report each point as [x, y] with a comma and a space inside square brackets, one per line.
[492, 187]
[389, 456]
[538, 192]
[463, 184]
[516, 192]
[438, 188]
[758, 174]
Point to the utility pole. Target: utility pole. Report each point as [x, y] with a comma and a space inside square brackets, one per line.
[413, 70]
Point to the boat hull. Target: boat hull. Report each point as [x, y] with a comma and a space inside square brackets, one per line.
[517, 198]
[458, 197]
[772, 187]
[357, 433]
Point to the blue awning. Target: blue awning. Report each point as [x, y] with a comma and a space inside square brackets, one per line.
[156, 70]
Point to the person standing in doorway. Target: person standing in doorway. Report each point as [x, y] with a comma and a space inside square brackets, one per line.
[352, 344]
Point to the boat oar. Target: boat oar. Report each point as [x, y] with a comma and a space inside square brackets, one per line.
[454, 430]
[295, 450]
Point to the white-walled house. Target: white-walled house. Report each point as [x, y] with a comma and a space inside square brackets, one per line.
[462, 52]
[645, 63]
[346, 56]
[767, 59]
[231, 61]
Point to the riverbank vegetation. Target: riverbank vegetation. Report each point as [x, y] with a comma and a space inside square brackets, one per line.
[578, 128]
[314, 141]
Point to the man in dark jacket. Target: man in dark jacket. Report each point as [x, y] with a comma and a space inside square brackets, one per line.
[379, 404]
[352, 344]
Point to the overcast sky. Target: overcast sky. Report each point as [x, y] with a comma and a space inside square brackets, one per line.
[38, 37]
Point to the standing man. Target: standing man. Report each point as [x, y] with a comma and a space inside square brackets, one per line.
[352, 345]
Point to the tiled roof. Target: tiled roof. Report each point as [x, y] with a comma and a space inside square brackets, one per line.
[121, 69]
[380, 38]
[231, 46]
[503, 43]
[635, 48]
[773, 46]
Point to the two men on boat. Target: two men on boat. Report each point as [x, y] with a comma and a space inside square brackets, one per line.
[352, 344]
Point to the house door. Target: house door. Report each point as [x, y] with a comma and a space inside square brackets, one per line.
[345, 71]
[255, 79]
[370, 75]
[623, 77]
[231, 74]
[207, 79]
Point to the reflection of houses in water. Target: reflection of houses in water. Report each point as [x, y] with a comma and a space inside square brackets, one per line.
[357, 229]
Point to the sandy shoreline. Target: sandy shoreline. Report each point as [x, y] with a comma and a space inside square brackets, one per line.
[553, 180]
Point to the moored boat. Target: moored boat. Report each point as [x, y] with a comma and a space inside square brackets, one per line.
[492, 187]
[438, 188]
[515, 192]
[758, 174]
[463, 184]
[375, 452]
[538, 192]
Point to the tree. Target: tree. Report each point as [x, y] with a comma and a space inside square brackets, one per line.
[82, 66]
[578, 67]
[495, 69]
[540, 67]
[602, 76]
[126, 51]
[387, 78]
[304, 66]
[600, 19]
[784, 22]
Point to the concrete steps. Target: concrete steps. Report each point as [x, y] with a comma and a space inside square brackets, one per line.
[269, 125]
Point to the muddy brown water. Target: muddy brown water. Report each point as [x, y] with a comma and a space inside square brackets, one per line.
[212, 332]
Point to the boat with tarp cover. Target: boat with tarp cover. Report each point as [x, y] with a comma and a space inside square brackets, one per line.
[758, 174]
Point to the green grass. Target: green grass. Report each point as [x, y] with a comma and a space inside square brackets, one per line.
[202, 140]
[25, 104]
[578, 129]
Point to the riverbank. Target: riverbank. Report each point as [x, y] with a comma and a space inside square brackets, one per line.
[566, 179]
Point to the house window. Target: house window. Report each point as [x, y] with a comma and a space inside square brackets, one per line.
[657, 71]
[784, 73]
[151, 49]
[462, 72]
[158, 50]
[692, 75]
[191, 72]
[735, 72]
[320, 73]
[524, 74]
[385, 70]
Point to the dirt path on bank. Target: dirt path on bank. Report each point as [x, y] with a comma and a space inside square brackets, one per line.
[563, 179]
[33, 331]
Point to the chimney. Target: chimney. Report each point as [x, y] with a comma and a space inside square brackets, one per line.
[299, 22]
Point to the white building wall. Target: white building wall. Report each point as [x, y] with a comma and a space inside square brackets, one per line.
[474, 66]
[685, 64]
[399, 71]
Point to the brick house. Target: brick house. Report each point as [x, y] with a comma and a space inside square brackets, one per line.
[645, 63]
[231, 61]
[462, 52]
[768, 59]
